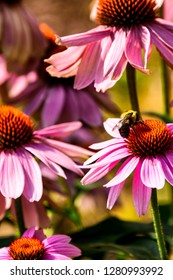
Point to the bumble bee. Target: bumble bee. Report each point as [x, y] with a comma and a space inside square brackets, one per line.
[128, 120]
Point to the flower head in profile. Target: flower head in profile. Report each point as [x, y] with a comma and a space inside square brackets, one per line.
[20, 144]
[147, 151]
[34, 245]
[21, 41]
[126, 32]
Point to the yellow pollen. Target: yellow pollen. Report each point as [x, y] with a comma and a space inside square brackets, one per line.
[16, 128]
[26, 248]
[124, 14]
[144, 142]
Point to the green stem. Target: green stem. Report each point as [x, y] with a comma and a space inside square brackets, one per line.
[158, 226]
[166, 87]
[131, 82]
[19, 215]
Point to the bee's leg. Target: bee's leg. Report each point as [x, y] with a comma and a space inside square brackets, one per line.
[141, 122]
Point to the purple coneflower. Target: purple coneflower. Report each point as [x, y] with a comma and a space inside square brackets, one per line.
[34, 245]
[49, 97]
[19, 144]
[126, 32]
[146, 152]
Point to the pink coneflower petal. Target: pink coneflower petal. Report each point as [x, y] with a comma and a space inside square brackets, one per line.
[94, 118]
[140, 37]
[36, 101]
[33, 180]
[96, 173]
[163, 30]
[167, 169]
[85, 38]
[152, 173]
[5, 204]
[29, 232]
[12, 175]
[54, 256]
[53, 105]
[34, 214]
[39, 154]
[124, 171]
[60, 243]
[104, 144]
[107, 155]
[164, 50]
[169, 157]
[110, 127]
[141, 194]
[170, 125]
[114, 194]
[47, 153]
[114, 53]
[69, 149]
[93, 52]
[71, 106]
[105, 45]
[4, 255]
[71, 57]
[59, 130]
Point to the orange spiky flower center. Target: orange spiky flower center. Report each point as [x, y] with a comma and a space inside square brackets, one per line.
[26, 248]
[124, 14]
[16, 128]
[151, 138]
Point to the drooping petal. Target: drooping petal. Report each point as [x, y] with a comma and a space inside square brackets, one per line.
[87, 71]
[12, 177]
[141, 194]
[163, 49]
[138, 39]
[162, 30]
[167, 169]
[100, 83]
[169, 157]
[33, 180]
[115, 52]
[114, 194]
[5, 204]
[94, 117]
[124, 171]
[66, 63]
[36, 101]
[53, 105]
[152, 174]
